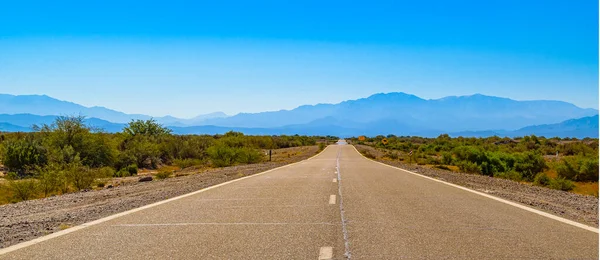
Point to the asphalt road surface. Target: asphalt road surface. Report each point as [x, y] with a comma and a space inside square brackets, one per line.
[336, 205]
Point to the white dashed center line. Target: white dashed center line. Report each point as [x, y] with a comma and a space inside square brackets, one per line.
[325, 253]
[332, 199]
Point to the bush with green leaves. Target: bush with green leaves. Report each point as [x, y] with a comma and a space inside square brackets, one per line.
[247, 155]
[222, 155]
[23, 189]
[510, 175]
[22, 155]
[578, 168]
[541, 179]
[189, 162]
[561, 184]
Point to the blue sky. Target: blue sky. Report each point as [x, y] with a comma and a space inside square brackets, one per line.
[185, 58]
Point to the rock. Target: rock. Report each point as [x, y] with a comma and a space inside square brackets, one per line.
[145, 178]
[109, 186]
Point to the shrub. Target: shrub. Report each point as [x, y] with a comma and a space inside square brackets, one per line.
[529, 164]
[322, 146]
[541, 179]
[561, 184]
[368, 154]
[106, 172]
[163, 174]
[185, 163]
[248, 155]
[81, 177]
[21, 155]
[469, 167]
[132, 169]
[447, 158]
[433, 160]
[51, 178]
[578, 169]
[23, 189]
[510, 175]
[392, 155]
[121, 173]
[221, 155]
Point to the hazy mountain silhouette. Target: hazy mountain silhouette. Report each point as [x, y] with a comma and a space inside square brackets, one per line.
[44, 105]
[449, 114]
[379, 114]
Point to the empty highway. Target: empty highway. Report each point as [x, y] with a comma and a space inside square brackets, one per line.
[336, 205]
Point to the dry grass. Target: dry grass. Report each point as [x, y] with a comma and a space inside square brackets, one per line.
[586, 188]
[63, 226]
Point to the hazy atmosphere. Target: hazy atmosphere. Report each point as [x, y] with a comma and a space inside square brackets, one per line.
[187, 58]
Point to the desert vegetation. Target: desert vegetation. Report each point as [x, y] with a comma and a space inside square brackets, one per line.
[68, 155]
[564, 164]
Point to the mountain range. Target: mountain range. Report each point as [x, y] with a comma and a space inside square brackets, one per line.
[392, 113]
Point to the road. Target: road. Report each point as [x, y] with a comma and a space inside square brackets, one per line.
[336, 205]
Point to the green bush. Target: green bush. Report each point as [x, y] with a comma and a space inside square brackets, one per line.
[578, 168]
[529, 164]
[23, 189]
[447, 158]
[510, 175]
[541, 179]
[222, 155]
[185, 163]
[22, 155]
[106, 172]
[132, 169]
[469, 167]
[81, 177]
[561, 184]
[248, 155]
[51, 178]
[163, 174]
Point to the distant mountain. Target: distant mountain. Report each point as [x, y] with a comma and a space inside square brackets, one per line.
[6, 127]
[580, 128]
[47, 106]
[409, 114]
[379, 114]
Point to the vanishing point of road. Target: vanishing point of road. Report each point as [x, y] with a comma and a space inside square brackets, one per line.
[336, 205]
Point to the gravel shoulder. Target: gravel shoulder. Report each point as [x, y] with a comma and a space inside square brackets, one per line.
[27, 220]
[576, 207]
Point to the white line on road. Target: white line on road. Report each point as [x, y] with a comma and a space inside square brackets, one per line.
[532, 210]
[332, 199]
[347, 252]
[223, 224]
[98, 221]
[326, 253]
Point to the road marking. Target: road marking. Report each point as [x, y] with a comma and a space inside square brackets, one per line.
[326, 253]
[332, 199]
[222, 224]
[111, 217]
[532, 210]
[334, 180]
[347, 252]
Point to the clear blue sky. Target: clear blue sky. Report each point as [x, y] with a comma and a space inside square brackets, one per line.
[185, 58]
